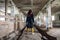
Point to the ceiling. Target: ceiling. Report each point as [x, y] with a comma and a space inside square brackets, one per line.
[56, 6]
[25, 5]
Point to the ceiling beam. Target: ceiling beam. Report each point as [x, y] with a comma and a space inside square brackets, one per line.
[49, 1]
[29, 7]
[22, 5]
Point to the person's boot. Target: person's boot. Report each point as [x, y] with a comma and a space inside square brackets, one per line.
[28, 29]
[32, 30]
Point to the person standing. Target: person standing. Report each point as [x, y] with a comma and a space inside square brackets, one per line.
[30, 20]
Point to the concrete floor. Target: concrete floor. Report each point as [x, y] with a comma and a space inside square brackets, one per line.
[55, 32]
[6, 29]
[30, 36]
[36, 36]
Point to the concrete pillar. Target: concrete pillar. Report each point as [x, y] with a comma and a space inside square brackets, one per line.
[6, 5]
[46, 21]
[6, 10]
[42, 18]
[49, 16]
[6, 18]
[12, 11]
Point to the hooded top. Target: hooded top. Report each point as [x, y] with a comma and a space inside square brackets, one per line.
[30, 18]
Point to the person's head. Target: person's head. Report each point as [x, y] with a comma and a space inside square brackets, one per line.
[30, 12]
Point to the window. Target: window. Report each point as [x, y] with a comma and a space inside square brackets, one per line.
[2, 13]
[53, 18]
[59, 17]
[2, 19]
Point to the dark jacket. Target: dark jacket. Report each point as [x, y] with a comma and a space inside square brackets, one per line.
[30, 21]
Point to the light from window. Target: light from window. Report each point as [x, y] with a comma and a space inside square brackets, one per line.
[53, 18]
[2, 19]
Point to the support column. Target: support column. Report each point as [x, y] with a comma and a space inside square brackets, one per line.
[42, 18]
[12, 11]
[6, 18]
[49, 16]
[46, 21]
[6, 3]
